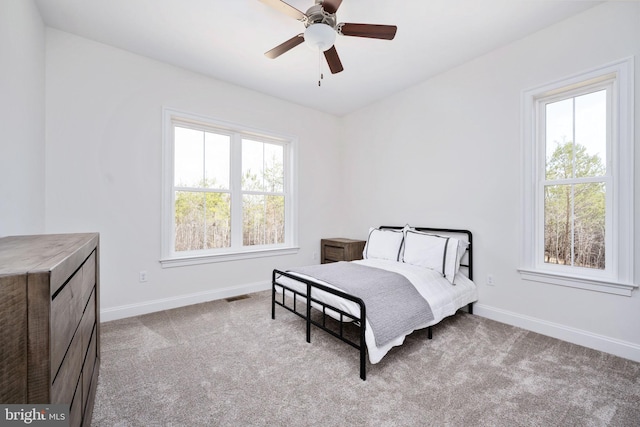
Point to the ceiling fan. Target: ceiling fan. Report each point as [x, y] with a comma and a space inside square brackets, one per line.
[321, 29]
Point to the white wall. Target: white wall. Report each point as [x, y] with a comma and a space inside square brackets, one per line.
[444, 153]
[447, 153]
[22, 114]
[104, 147]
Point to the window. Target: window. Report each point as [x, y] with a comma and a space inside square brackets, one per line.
[573, 189]
[229, 191]
[578, 181]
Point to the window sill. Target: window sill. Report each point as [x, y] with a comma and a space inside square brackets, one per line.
[591, 284]
[210, 258]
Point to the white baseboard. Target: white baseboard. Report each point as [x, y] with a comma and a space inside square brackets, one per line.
[621, 348]
[146, 307]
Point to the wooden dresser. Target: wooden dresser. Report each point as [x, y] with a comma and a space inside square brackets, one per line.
[49, 317]
[339, 249]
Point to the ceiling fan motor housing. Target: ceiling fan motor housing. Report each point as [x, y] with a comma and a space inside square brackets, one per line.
[317, 15]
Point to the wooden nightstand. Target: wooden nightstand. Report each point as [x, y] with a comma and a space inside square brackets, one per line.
[333, 250]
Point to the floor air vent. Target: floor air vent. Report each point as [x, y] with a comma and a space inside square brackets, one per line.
[238, 298]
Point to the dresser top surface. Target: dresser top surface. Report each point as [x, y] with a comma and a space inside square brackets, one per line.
[43, 252]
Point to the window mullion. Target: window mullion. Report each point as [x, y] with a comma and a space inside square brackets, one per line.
[540, 174]
[612, 184]
[572, 215]
[236, 191]
[286, 189]
[572, 226]
[573, 137]
[204, 195]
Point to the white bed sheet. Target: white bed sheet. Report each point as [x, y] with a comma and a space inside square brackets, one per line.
[443, 297]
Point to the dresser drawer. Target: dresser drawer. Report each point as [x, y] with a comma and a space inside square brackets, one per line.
[89, 366]
[88, 321]
[75, 410]
[88, 277]
[66, 311]
[67, 377]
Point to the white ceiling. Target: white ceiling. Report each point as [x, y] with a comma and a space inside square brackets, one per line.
[226, 39]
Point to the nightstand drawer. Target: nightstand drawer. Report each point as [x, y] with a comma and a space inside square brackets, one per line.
[333, 253]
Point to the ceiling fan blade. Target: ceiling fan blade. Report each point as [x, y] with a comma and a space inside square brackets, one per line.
[331, 6]
[386, 32]
[331, 55]
[285, 8]
[285, 47]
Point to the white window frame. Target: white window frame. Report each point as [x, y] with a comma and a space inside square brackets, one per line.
[617, 278]
[169, 257]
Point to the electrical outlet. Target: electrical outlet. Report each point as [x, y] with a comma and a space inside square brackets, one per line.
[142, 277]
[490, 279]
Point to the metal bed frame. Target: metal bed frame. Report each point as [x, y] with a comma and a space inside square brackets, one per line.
[357, 321]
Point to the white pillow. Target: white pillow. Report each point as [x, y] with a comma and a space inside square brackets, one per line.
[383, 244]
[439, 253]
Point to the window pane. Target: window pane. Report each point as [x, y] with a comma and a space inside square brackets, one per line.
[560, 161]
[591, 134]
[202, 220]
[218, 220]
[262, 166]
[201, 159]
[589, 225]
[559, 139]
[576, 136]
[273, 168]
[189, 221]
[263, 219]
[217, 160]
[574, 215]
[189, 156]
[275, 219]
[252, 165]
[252, 219]
[557, 224]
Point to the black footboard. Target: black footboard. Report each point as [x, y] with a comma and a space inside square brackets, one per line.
[307, 299]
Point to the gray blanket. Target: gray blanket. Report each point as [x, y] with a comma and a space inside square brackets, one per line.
[394, 306]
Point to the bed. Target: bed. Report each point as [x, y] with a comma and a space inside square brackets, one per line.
[410, 278]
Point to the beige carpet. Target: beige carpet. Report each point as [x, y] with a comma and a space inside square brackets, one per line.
[228, 364]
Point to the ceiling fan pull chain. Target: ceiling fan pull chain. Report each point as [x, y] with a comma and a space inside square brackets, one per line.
[320, 67]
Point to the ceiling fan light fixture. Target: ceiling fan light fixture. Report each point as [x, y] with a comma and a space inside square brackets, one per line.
[319, 37]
